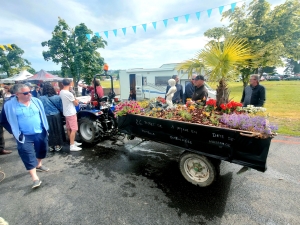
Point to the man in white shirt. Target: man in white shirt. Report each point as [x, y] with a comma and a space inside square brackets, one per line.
[69, 102]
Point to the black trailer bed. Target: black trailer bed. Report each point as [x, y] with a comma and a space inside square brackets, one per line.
[236, 146]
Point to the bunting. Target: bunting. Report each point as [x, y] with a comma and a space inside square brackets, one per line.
[7, 45]
[154, 24]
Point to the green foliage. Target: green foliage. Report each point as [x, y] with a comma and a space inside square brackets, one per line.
[272, 34]
[78, 56]
[185, 115]
[11, 61]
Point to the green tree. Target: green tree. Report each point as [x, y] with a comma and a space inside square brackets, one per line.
[78, 56]
[221, 61]
[270, 34]
[11, 61]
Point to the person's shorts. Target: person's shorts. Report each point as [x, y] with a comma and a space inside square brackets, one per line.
[35, 147]
[71, 122]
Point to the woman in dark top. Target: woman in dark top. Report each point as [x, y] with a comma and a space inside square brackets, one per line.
[132, 96]
[53, 108]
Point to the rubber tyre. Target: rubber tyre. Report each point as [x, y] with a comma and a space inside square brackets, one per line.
[88, 130]
[197, 169]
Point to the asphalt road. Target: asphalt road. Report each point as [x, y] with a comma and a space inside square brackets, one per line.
[117, 182]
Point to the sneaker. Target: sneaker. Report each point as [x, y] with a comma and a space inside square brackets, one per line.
[58, 148]
[51, 149]
[74, 148]
[36, 183]
[42, 169]
[77, 143]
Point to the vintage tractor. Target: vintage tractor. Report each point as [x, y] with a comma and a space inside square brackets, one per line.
[96, 119]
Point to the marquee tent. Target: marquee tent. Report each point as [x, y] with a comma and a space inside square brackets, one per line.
[23, 75]
[45, 76]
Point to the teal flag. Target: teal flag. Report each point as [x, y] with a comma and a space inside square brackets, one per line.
[88, 36]
[134, 29]
[187, 16]
[97, 34]
[221, 9]
[233, 6]
[176, 18]
[166, 22]
[106, 33]
[209, 12]
[124, 30]
[154, 25]
[198, 15]
[115, 32]
[144, 26]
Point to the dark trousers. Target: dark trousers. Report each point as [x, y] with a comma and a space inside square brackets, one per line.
[2, 143]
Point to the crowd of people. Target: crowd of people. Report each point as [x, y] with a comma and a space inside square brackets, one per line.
[34, 117]
[254, 94]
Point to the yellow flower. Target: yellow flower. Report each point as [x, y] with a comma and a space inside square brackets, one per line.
[192, 107]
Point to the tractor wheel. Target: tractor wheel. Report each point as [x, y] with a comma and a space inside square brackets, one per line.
[90, 131]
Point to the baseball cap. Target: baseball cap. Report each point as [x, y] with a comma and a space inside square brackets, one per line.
[199, 77]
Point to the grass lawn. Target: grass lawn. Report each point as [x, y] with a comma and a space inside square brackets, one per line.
[106, 84]
[282, 103]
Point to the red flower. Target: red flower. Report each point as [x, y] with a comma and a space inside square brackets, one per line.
[223, 106]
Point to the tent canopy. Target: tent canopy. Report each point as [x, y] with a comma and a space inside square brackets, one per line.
[23, 75]
[44, 76]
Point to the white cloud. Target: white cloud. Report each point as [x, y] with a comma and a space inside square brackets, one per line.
[28, 23]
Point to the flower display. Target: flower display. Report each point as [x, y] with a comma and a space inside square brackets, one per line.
[258, 124]
[232, 115]
[230, 106]
[128, 107]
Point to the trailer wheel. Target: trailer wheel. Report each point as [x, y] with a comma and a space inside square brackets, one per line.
[89, 130]
[197, 169]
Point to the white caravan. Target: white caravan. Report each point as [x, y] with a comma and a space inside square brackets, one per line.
[152, 83]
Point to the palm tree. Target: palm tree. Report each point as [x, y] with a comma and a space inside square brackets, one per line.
[222, 61]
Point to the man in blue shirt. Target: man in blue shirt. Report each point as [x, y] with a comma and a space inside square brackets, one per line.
[178, 95]
[189, 89]
[29, 125]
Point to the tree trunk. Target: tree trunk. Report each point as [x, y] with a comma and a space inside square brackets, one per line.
[222, 93]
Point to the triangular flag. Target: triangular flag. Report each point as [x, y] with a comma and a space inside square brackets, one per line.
[115, 32]
[176, 18]
[9, 45]
[154, 25]
[124, 30]
[209, 12]
[144, 26]
[166, 22]
[233, 6]
[221, 9]
[106, 33]
[97, 34]
[88, 36]
[134, 29]
[198, 15]
[187, 16]
[1, 46]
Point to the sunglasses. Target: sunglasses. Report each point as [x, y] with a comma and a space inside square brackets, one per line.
[193, 79]
[26, 93]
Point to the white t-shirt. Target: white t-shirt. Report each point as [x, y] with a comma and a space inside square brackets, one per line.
[67, 99]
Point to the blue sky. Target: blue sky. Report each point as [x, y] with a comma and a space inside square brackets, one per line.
[27, 23]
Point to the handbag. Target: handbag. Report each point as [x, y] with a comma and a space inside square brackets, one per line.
[63, 119]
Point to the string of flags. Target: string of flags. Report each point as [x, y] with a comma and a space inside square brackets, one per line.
[165, 22]
[3, 47]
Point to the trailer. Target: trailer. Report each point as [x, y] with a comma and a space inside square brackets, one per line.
[152, 83]
[205, 146]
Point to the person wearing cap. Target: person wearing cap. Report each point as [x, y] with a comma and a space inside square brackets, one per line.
[189, 89]
[178, 95]
[200, 92]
